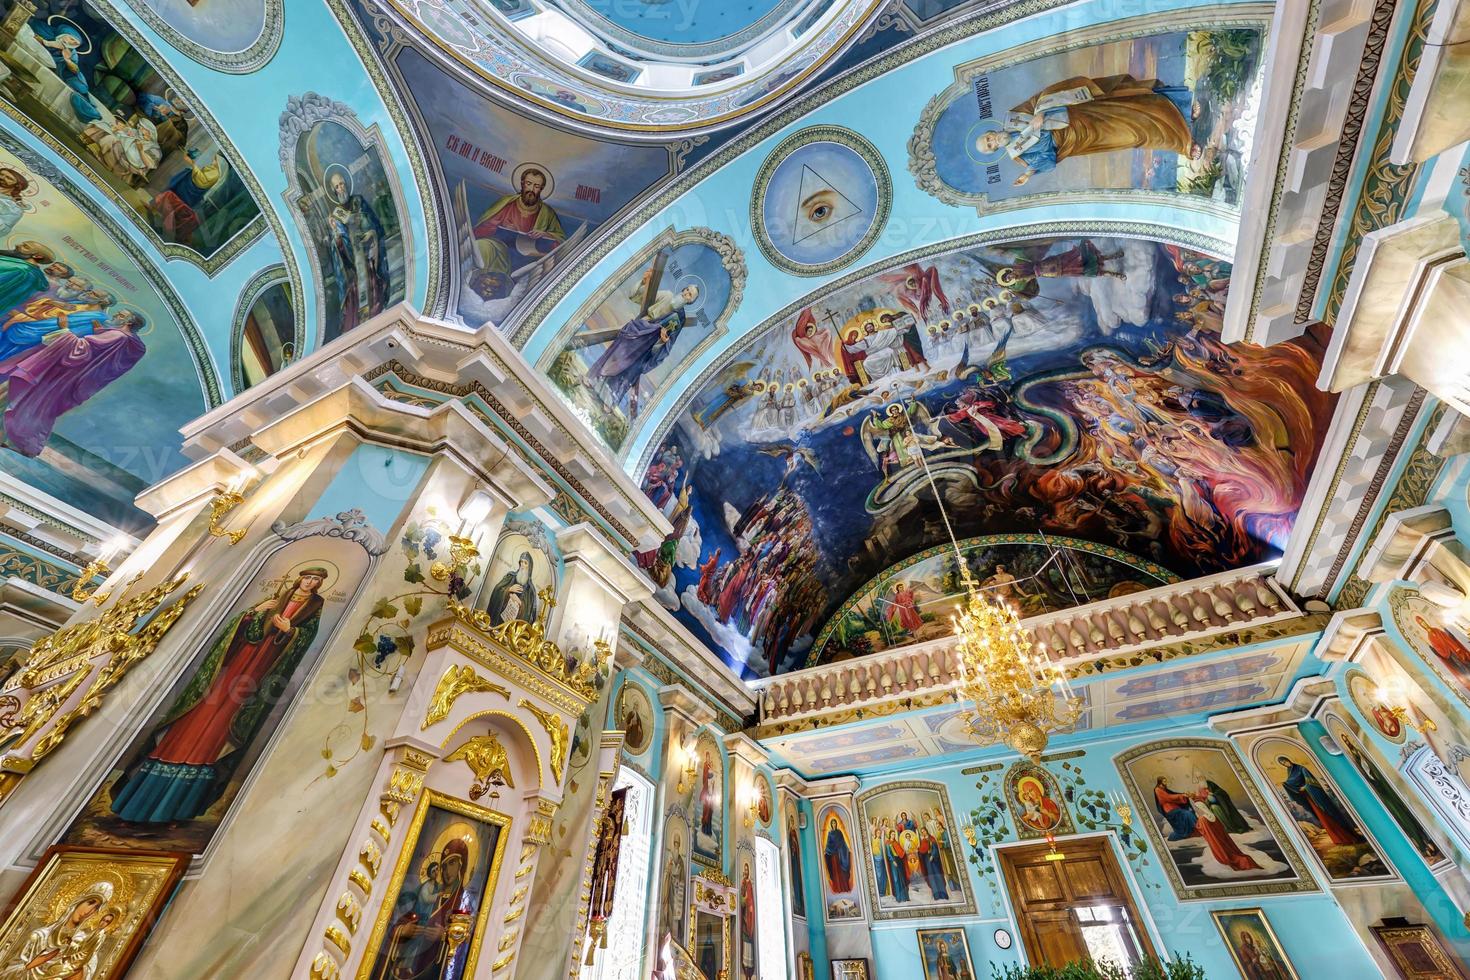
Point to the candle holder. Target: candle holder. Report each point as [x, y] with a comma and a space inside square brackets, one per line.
[80, 592]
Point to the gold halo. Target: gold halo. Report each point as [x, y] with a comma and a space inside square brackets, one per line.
[82, 881]
[84, 35]
[1026, 780]
[330, 566]
[465, 831]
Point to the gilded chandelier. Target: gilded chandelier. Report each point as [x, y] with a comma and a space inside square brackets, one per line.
[1019, 697]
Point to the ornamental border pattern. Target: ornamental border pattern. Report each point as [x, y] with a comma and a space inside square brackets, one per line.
[204, 365]
[1048, 229]
[248, 59]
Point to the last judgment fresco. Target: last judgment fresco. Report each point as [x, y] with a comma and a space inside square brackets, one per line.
[1062, 386]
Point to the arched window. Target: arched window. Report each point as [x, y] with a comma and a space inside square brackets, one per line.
[770, 911]
[1444, 790]
[624, 954]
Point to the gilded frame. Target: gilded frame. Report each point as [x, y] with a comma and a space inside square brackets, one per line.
[172, 864]
[405, 856]
[1265, 925]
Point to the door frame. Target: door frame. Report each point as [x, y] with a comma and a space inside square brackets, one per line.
[1145, 914]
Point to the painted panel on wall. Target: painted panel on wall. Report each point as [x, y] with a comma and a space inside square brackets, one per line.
[1216, 835]
[232, 35]
[1163, 112]
[1436, 636]
[921, 872]
[1082, 389]
[1384, 790]
[99, 363]
[641, 328]
[839, 856]
[708, 800]
[84, 86]
[524, 571]
[1317, 807]
[174, 785]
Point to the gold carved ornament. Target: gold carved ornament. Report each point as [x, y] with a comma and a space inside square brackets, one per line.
[457, 680]
[70, 648]
[557, 729]
[487, 760]
[528, 642]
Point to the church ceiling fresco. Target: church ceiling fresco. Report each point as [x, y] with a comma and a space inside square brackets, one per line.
[114, 109]
[99, 363]
[227, 35]
[524, 197]
[1075, 386]
[1143, 112]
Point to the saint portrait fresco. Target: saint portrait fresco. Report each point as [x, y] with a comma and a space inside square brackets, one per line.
[673, 908]
[88, 332]
[656, 313]
[266, 341]
[634, 715]
[172, 787]
[1436, 636]
[1037, 805]
[523, 567]
[525, 196]
[1216, 835]
[1325, 820]
[840, 871]
[917, 867]
[1090, 120]
[127, 125]
[350, 212]
[444, 882]
[793, 858]
[1386, 792]
[1040, 392]
[84, 912]
[708, 799]
[748, 953]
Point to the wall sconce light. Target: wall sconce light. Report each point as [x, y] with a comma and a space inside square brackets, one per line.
[474, 510]
[226, 499]
[751, 799]
[1396, 699]
[1121, 807]
[97, 566]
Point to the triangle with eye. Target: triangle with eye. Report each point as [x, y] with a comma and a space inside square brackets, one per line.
[820, 206]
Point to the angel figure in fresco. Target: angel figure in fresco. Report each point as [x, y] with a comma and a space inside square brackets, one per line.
[1081, 116]
[418, 944]
[1452, 653]
[900, 437]
[67, 947]
[222, 707]
[815, 341]
[916, 288]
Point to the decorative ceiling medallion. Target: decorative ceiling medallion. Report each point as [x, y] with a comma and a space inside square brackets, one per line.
[821, 199]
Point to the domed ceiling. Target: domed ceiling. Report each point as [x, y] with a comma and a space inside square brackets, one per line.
[804, 268]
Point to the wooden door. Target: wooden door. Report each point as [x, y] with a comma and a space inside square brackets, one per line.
[1055, 900]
